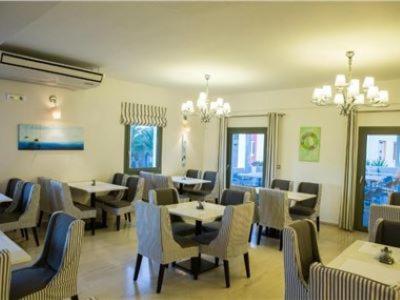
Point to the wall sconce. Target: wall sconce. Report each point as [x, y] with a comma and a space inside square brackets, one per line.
[55, 110]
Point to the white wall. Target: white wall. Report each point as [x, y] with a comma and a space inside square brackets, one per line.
[299, 112]
[98, 111]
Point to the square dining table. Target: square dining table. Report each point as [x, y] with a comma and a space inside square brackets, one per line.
[296, 196]
[17, 254]
[183, 180]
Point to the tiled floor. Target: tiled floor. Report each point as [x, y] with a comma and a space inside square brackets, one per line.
[108, 259]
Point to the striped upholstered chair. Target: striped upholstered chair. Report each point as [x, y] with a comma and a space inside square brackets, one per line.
[156, 241]
[273, 211]
[208, 191]
[118, 179]
[284, 185]
[386, 212]
[55, 274]
[300, 251]
[331, 284]
[394, 198]
[5, 274]
[387, 233]
[13, 191]
[47, 202]
[231, 240]
[154, 181]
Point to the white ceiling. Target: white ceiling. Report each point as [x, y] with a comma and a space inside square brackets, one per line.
[244, 46]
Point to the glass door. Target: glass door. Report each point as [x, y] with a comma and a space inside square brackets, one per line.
[378, 169]
[246, 156]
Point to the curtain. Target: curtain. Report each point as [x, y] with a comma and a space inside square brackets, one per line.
[346, 215]
[272, 148]
[223, 128]
[143, 114]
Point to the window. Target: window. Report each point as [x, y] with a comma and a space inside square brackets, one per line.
[142, 148]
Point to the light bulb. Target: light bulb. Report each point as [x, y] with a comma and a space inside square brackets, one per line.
[368, 82]
[359, 99]
[354, 87]
[383, 96]
[327, 91]
[373, 92]
[340, 80]
[56, 113]
[339, 99]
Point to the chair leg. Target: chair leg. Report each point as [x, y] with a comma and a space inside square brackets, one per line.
[226, 270]
[194, 265]
[118, 222]
[160, 278]
[216, 261]
[93, 225]
[129, 217]
[251, 232]
[35, 236]
[125, 217]
[280, 240]
[137, 266]
[104, 218]
[247, 264]
[75, 297]
[260, 229]
[40, 218]
[26, 234]
[317, 223]
[22, 232]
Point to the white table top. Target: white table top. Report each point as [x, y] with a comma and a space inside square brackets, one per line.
[100, 187]
[18, 255]
[4, 198]
[362, 258]
[296, 196]
[210, 212]
[188, 180]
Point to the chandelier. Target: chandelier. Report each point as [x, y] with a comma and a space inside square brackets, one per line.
[347, 93]
[206, 109]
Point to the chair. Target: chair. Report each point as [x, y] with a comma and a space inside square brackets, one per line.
[300, 251]
[54, 274]
[47, 203]
[13, 191]
[25, 215]
[273, 211]
[62, 194]
[5, 274]
[308, 209]
[394, 198]
[231, 240]
[126, 205]
[285, 185]
[154, 181]
[208, 191]
[191, 173]
[168, 197]
[118, 179]
[229, 197]
[156, 241]
[386, 212]
[331, 284]
[387, 233]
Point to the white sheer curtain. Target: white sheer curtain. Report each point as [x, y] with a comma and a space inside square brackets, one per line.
[272, 147]
[223, 127]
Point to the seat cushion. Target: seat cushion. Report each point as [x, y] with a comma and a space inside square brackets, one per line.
[212, 226]
[183, 228]
[9, 217]
[118, 204]
[206, 238]
[29, 280]
[301, 210]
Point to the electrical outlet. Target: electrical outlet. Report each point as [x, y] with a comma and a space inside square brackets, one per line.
[14, 97]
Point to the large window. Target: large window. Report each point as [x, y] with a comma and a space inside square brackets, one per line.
[143, 148]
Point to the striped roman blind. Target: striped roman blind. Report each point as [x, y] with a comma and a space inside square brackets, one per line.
[143, 114]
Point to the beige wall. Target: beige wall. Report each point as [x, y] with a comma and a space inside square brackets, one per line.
[98, 111]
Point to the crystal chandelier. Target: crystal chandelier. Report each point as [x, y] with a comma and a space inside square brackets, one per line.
[347, 93]
[206, 109]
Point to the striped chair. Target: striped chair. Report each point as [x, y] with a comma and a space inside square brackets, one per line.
[331, 284]
[191, 173]
[273, 211]
[5, 274]
[386, 212]
[300, 251]
[13, 191]
[55, 274]
[387, 233]
[25, 215]
[47, 203]
[394, 198]
[154, 181]
[231, 240]
[118, 179]
[156, 241]
[285, 185]
[208, 191]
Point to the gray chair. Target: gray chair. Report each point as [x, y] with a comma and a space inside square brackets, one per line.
[62, 194]
[300, 251]
[13, 191]
[125, 206]
[387, 233]
[331, 284]
[156, 241]
[47, 203]
[208, 191]
[154, 181]
[273, 212]
[231, 240]
[386, 212]
[167, 197]
[55, 274]
[25, 215]
[394, 198]
[191, 173]
[308, 209]
[5, 274]
[118, 179]
[285, 185]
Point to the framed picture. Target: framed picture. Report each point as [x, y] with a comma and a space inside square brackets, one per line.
[49, 137]
[309, 144]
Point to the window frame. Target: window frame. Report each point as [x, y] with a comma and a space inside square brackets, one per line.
[135, 171]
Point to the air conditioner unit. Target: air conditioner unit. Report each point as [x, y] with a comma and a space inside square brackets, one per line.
[28, 69]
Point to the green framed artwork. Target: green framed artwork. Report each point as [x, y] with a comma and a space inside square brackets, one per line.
[310, 143]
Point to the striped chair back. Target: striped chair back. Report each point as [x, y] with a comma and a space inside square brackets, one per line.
[11, 187]
[5, 274]
[154, 181]
[394, 198]
[386, 212]
[331, 284]
[285, 185]
[273, 208]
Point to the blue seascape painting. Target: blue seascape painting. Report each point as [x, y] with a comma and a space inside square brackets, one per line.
[49, 137]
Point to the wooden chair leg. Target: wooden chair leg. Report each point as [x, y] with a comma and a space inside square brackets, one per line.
[40, 218]
[226, 270]
[280, 240]
[104, 218]
[251, 232]
[22, 233]
[247, 264]
[118, 222]
[129, 217]
[160, 278]
[125, 217]
[26, 234]
[260, 229]
[317, 223]
[137, 266]
[93, 225]
[75, 297]
[35, 236]
[216, 261]
[194, 265]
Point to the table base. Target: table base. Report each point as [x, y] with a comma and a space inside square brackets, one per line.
[205, 265]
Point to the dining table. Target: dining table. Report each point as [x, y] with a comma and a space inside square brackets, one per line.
[191, 211]
[5, 199]
[17, 254]
[362, 258]
[183, 180]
